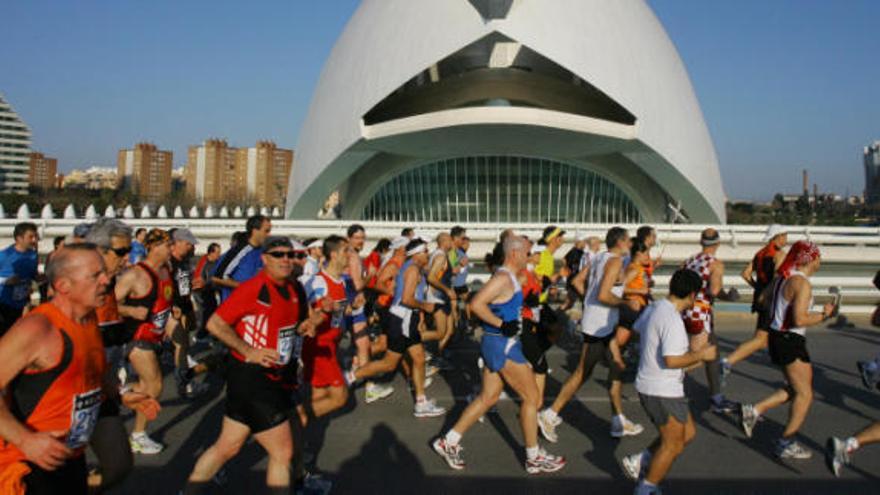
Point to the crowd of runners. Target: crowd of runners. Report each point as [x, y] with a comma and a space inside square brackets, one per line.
[118, 308]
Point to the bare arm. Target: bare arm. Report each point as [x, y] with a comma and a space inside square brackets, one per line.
[692, 358]
[747, 274]
[480, 303]
[356, 271]
[437, 266]
[125, 285]
[579, 282]
[410, 283]
[388, 272]
[716, 278]
[609, 278]
[803, 294]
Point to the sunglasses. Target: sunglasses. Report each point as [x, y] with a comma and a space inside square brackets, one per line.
[120, 252]
[282, 254]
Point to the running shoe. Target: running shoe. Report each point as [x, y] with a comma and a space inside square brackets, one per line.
[376, 391]
[749, 418]
[544, 463]
[643, 489]
[548, 426]
[632, 465]
[724, 406]
[625, 428]
[313, 484]
[790, 449]
[450, 453]
[836, 455]
[143, 444]
[428, 409]
[195, 389]
[869, 376]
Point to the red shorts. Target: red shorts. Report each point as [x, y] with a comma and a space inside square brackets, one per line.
[320, 365]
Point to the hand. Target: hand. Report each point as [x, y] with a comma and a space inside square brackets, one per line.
[510, 328]
[142, 403]
[828, 310]
[264, 357]
[139, 313]
[176, 313]
[709, 353]
[46, 449]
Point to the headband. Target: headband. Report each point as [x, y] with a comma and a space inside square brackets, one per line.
[421, 248]
[553, 234]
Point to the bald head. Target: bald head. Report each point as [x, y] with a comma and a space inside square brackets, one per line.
[69, 259]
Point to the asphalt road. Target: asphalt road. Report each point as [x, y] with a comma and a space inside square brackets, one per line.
[382, 448]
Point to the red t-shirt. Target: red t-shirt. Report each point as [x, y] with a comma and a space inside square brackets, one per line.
[265, 314]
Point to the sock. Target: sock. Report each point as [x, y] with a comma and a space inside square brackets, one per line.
[138, 434]
[549, 414]
[421, 398]
[852, 444]
[620, 419]
[453, 437]
[532, 452]
[725, 363]
[717, 398]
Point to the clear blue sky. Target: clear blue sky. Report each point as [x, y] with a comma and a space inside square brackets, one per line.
[784, 84]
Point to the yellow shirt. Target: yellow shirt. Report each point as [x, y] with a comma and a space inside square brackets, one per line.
[545, 268]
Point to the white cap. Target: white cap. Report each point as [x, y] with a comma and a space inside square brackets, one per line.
[538, 248]
[317, 243]
[399, 242]
[773, 231]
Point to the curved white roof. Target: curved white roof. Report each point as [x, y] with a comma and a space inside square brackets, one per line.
[619, 47]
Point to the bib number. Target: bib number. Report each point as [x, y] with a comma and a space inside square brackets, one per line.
[83, 418]
[160, 320]
[286, 345]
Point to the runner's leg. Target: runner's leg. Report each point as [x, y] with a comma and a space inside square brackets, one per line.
[232, 436]
[278, 442]
[146, 364]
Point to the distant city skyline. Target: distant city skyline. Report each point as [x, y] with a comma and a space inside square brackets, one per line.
[785, 85]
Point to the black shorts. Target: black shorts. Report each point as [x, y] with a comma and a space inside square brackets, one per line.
[628, 317]
[764, 320]
[255, 400]
[444, 306]
[660, 409]
[145, 345]
[534, 346]
[398, 342]
[70, 479]
[786, 347]
[461, 290]
[598, 350]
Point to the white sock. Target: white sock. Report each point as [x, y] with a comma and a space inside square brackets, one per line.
[549, 414]
[620, 419]
[532, 452]
[453, 437]
[138, 434]
[852, 444]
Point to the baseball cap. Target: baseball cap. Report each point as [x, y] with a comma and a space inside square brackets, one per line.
[399, 242]
[184, 235]
[275, 241]
[773, 231]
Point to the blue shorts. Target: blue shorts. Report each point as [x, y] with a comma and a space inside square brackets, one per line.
[357, 315]
[497, 349]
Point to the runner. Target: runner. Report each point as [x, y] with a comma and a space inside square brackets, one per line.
[792, 299]
[259, 322]
[839, 452]
[665, 356]
[327, 296]
[143, 296]
[51, 370]
[439, 293]
[138, 252]
[243, 260]
[204, 291]
[18, 268]
[636, 293]
[599, 321]
[457, 264]
[499, 306]
[572, 265]
[699, 320]
[460, 283]
[758, 274]
[553, 237]
[403, 334]
[313, 261]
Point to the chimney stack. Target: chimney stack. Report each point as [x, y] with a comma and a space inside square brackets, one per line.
[806, 183]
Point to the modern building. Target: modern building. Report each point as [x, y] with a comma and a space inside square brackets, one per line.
[872, 173]
[93, 178]
[42, 171]
[219, 174]
[15, 149]
[145, 170]
[515, 111]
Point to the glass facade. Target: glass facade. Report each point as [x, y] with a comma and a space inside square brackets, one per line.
[500, 189]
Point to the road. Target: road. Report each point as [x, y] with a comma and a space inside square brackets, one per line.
[382, 448]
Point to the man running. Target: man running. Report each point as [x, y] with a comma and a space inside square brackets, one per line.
[572, 265]
[499, 304]
[18, 269]
[665, 356]
[598, 324]
[183, 314]
[261, 322]
[839, 452]
[243, 260]
[403, 333]
[52, 373]
[758, 274]
[791, 315]
[440, 295]
[699, 320]
[144, 294]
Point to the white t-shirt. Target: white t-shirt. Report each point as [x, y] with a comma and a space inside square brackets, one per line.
[598, 319]
[663, 334]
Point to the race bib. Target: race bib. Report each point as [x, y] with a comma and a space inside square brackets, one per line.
[337, 319]
[159, 321]
[83, 418]
[285, 346]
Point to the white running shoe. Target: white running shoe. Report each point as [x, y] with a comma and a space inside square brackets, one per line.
[632, 465]
[792, 450]
[428, 409]
[548, 427]
[450, 453]
[749, 419]
[625, 428]
[143, 444]
[377, 391]
[836, 455]
[545, 463]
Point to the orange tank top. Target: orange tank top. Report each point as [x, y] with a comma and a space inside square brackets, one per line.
[637, 283]
[384, 300]
[66, 397]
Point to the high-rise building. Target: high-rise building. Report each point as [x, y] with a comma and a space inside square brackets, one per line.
[211, 173]
[15, 148]
[146, 170]
[219, 174]
[872, 173]
[42, 171]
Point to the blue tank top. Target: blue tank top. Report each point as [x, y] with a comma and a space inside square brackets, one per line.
[398, 284]
[508, 310]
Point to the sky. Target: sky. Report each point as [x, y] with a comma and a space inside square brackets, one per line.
[785, 85]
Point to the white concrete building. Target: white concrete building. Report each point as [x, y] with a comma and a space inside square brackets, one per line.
[15, 148]
[506, 111]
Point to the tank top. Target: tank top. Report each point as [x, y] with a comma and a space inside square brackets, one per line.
[764, 267]
[531, 287]
[508, 310]
[598, 320]
[783, 310]
[640, 281]
[432, 294]
[66, 397]
[384, 300]
[158, 304]
[397, 300]
[701, 313]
